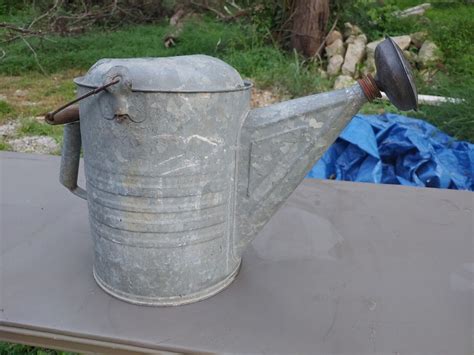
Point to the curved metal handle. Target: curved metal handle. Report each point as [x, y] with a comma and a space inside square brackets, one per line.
[70, 157]
[69, 112]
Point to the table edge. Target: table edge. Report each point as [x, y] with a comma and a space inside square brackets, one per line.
[52, 338]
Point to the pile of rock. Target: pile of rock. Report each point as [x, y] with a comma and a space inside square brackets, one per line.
[34, 144]
[350, 56]
[28, 144]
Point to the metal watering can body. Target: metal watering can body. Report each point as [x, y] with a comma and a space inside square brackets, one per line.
[181, 174]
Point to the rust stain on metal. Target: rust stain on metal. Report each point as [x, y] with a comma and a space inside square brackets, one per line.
[369, 86]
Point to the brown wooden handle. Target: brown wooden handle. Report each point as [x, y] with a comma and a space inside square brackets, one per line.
[68, 115]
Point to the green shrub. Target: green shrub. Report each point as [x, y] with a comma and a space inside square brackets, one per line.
[20, 349]
[3, 146]
[32, 127]
[5, 108]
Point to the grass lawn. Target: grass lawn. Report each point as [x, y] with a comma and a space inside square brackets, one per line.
[243, 46]
[18, 349]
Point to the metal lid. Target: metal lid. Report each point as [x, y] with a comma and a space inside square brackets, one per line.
[192, 73]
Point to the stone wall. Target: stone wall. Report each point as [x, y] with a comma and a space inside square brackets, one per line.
[349, 56]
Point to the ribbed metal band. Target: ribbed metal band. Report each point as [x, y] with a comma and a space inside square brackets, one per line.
[369, 87]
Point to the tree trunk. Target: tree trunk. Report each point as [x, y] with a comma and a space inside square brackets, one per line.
[309, 25]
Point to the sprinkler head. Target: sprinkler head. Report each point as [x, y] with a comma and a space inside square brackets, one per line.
[394, 75]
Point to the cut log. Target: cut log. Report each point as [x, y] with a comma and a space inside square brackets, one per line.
[309, 26]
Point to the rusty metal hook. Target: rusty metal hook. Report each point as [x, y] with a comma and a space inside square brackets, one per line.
[69, 112]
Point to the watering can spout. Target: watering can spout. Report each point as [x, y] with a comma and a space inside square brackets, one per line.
[280, 143]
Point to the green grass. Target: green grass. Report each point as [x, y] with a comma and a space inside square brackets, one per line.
[40, 93]
[255, 56]
[5, 108]
[449, 25]
[32, 127]
[20, 349]
[240, 46]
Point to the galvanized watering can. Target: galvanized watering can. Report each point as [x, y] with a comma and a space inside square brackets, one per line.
[182, 174]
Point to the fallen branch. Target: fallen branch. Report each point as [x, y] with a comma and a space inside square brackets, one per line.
[47, 13]
[14, 28]
[35, 55]
[231, 16]
[17, 33]
[176, 22]
[208, 8]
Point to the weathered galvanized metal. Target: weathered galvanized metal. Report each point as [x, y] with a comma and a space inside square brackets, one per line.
[181, 174]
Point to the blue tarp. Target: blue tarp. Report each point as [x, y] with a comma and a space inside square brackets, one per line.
[394, 149]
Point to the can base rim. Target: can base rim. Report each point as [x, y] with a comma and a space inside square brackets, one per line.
[168, 301]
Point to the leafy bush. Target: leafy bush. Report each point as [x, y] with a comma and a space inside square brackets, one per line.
[5, 108]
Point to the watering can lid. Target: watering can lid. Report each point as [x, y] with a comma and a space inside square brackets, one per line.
[192, 73]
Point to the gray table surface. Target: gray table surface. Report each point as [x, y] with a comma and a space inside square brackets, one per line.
[342, 268]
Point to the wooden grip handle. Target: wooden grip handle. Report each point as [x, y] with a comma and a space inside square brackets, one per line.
[68, 115]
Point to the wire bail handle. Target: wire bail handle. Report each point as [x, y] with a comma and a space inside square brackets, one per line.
[67, 114]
